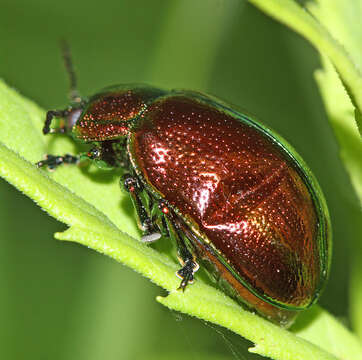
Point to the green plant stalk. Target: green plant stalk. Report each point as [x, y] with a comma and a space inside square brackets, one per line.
[328, 25]
[91, 224]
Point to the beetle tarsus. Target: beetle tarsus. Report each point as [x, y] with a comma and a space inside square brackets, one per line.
[186, 258]
[51, 162]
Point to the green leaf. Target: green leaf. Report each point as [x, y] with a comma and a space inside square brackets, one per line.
[99, 217]
[340, 113]
[343, 20]
[300, 20]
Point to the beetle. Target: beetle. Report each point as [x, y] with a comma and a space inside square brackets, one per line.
[231, 193]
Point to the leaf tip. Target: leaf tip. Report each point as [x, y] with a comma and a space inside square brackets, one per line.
[62, 236]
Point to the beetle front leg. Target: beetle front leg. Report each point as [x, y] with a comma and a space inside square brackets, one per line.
[186, 258]
[68, 119]
[134, 188]
[50, 115]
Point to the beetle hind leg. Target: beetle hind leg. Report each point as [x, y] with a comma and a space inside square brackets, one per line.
[185, 256]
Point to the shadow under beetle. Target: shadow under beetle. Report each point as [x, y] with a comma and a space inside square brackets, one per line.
[230, 192]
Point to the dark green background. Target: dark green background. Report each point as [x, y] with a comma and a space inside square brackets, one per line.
[63, 301]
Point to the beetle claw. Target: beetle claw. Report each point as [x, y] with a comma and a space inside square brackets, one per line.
[186, 273]
[189, 279]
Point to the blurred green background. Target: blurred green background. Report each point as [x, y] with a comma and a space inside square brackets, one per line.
[63, 301]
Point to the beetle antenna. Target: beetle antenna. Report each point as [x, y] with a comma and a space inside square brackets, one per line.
[74, 95]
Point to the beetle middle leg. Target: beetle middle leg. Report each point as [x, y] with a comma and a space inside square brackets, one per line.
[186, 258]
[132, 185]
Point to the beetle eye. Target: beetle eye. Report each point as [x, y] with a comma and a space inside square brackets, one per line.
[73, 117]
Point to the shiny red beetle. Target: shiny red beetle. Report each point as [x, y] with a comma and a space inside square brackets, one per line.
[231, 193]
